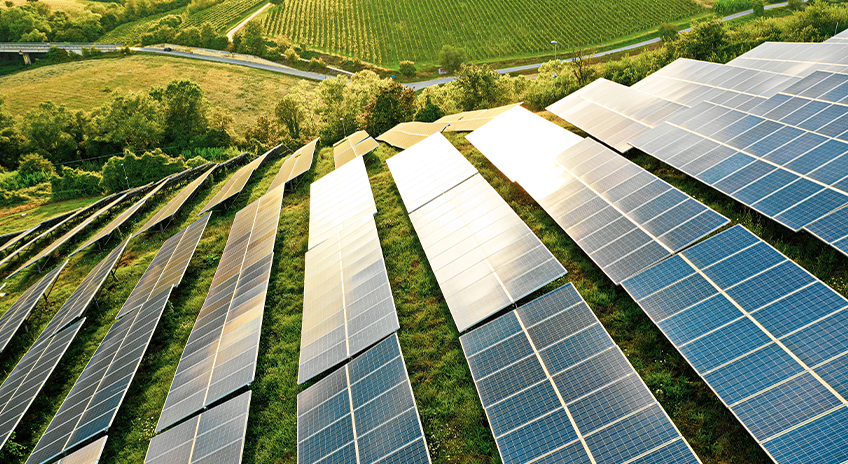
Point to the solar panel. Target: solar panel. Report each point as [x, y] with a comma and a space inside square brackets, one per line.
[768, 337]
[169, 210]
[556, 388]
[795, 59]
[407, 134]
[50, 249]
[168, 266]
[295, 165]
[353, 146]
[363, 412]
[236, 183]
[28, 377]
[473, 120]
[338, 197]
[89, 454]
[838, 38]
[622, 216]
[614, 113]
[13, 238]
[91, 406]
[347, 299]
[217, 435]
[220, 356]
[483, 255]
[420, 182]
[76, 304]
[121, 219]
[20, 310]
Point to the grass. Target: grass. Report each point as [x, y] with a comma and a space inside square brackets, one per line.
[11, 218]
[85, 85]
[385, 32]
[453, 419]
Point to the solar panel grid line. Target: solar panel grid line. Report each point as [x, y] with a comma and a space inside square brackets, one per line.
[18, 238]
[90, 454]
[171, 208]
[236, 184]
[20, 310]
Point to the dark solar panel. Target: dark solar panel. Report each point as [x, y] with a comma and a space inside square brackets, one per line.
[168, 266]
[217, 435]
[766, 336]
[93, 402]
[555, 386]
[169, 210]
[364, 412]
[236, 183]
[28, 377]
[20, 310]
[347, 302]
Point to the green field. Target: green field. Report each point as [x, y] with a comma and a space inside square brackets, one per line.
[386, 31]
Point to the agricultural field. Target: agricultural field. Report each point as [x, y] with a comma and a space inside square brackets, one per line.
[130, 33]
[386, 31]
[225, 14]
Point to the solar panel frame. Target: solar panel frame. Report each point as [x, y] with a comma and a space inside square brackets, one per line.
[89, 454]
[473, 120]
[406, 134]
[353, 146]
[236, 184]
[173, 206]
[295, 165]
[384, 428]
[340, 196]
[553, 383]
[16, 315]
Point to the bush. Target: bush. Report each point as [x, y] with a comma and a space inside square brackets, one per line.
[74, 183]
[668, 32]
[33, 163]
[796, 5]
[196, 161]
[726, 7]
[291, 55]
[759, 8]
[139, 171]
[407, 68]
[451, 58]
[317, 63]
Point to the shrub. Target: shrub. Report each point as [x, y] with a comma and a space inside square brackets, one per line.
[451, 58]
[196, 161]
[122, 172]
[317, 63]
[74, 183]
[407, 68]
[35, 164]
[796, 5]
[668, 32]
[291, 55]
[726, 7]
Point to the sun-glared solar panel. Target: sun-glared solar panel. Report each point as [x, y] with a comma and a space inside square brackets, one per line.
[295, 165]
[362, 413]
[769, 338]
[168, 266]
[614, 113]
[795, 59]
[89, 454]
[220, 356]
[169, 210]
[93, 402]
[28, 377]
[556, 388]
[76, 304]
[15, 316]
[483, 255]
[350, 149]
[473, 120]
[347, 299]
[46, 252]
[838, 38]
[338, 197]
[215, 436]
[236, 184]
[116, 223]
[407, 134]
[427, 170]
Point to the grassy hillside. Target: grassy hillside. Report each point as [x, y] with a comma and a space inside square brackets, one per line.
[84, 85]
[25, 216]
[451, 414]
[387, 31]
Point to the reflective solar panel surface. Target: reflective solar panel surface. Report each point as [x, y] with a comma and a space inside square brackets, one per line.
[169, 210]
[236, 184]
[93, 402]
[795, 59]
[614, 113]
[168, 266]
[428, 169]
[220, 356]
[295, 165]
[116, 223]
[483, 255]
[362, 413]
[347, 300]
[473, 120]
[353, 146]
[20, 310]
[338, 197]
[769, 338]
[89, 454]
[407, 134]
[556, 388]
[28, 377]
[14, 238]
[216, 436]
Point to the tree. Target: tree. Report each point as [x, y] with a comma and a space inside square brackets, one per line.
[140, 170]
[11, 139]
[759, 8]
[53, 132]
[391, 104]
[252, 40]
[189, 36]
[186, 110]
[796, 5]
[668, 32]
[289, 114]
[34, 163]
[581, 68]
[480, 87]
[133, 120]
[701, 42]
[451, 58]
[407, 68]
[429, 112]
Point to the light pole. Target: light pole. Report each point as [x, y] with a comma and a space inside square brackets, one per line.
[554, 43]
[126, 178]
[344, 126]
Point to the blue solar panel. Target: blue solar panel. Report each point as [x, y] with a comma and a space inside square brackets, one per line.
[771, 344]
[574, 383]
